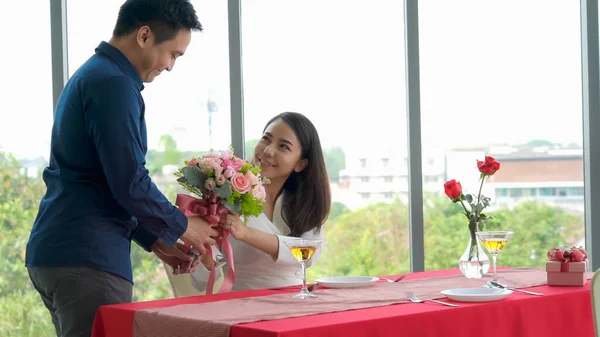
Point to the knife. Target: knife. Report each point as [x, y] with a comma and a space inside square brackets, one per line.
[502, 286]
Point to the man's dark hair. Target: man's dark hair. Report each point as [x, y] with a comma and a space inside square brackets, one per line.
[164, 17]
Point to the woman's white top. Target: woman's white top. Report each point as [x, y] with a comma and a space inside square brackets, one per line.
[255, 269]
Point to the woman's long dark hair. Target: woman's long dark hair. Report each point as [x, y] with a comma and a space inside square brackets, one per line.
[306, 194]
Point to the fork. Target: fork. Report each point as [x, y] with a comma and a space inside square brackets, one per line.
[415, 299]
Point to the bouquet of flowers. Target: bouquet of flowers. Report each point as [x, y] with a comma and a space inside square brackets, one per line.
[222, 183]
[224, 178]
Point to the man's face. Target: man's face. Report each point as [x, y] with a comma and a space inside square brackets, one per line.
[155, 58]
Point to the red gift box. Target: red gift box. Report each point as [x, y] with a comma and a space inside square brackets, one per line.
[567, 266]
[566, 273]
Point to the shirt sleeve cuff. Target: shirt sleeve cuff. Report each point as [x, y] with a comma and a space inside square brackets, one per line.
[144, 238]
[175, 230]
[284, 255]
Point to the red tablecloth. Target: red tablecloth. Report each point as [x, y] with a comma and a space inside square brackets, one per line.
[562, 311]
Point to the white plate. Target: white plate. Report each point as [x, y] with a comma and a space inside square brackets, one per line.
[476, 294]
[347, 281]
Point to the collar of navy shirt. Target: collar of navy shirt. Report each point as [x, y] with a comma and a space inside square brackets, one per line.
[122, 61]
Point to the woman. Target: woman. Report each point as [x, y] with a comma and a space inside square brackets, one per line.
[297, 204]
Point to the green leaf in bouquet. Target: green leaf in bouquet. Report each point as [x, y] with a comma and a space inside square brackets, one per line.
[194, 176]
[250, 205]
[256, 170]
[236, 207]
[223, 191]
[234, 195]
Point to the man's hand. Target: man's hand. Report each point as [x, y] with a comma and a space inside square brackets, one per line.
[178, 257]
[198, 233]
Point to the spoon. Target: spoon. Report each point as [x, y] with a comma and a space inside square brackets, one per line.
[392, 281]
[501, 286]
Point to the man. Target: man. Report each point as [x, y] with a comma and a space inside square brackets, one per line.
[99, 195]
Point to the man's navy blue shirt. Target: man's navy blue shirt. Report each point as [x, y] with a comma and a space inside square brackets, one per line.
[99, 195]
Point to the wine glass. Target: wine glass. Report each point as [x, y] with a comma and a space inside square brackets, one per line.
[494, 242]
[303, 251]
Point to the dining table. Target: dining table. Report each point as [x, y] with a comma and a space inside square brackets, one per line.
[381, 309]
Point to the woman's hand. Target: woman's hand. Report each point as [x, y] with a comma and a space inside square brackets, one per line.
[235, 226]
[207, 261]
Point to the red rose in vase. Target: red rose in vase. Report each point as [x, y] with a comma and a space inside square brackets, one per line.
[489, 166]
[453, 189]
[473, 263]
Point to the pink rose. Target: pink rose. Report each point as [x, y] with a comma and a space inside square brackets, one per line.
[216, 165]
[252, 179]
[237, 163]
[210, 155]
[210, 184]
[226, 154]
[220, 179]
[225, 163]
[193, 162]
[240, 183]
[205, 165]
[229, 172]
[258, 192]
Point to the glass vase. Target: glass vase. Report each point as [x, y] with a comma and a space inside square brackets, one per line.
[474, 262]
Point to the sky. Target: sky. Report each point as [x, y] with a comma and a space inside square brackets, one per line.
[491, 72]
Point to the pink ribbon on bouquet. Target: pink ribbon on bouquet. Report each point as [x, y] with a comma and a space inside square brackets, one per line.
[211, 210]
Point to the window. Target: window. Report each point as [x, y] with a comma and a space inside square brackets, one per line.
[351, 86]
[501, 192]
[516, 192]
[26, 108]
[26, 113]
[478, 72]
[547, 191]
[575, 191]
[388, 179]
[187, 109]
[562, 192]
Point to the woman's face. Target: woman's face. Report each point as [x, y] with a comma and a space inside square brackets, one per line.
[278, 152]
